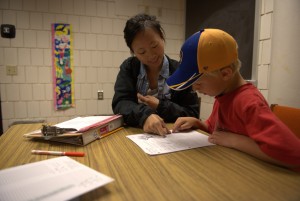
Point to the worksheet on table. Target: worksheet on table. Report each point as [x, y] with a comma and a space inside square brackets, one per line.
[60, 178]
[156, 144]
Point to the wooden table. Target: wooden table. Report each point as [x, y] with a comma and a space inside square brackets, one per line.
[207, 173]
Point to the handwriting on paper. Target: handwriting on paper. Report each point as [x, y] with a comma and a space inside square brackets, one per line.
[156, 144]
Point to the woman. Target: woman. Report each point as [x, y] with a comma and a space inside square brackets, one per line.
[141, 94]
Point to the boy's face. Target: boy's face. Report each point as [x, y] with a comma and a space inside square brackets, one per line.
[211, 85]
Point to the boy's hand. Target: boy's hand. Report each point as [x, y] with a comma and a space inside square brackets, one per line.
[226, 139]
[156, 125]
[185, 123]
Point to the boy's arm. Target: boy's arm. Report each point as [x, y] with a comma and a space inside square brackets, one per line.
[242, 143]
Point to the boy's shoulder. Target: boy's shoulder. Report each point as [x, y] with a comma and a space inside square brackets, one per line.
[249, 95]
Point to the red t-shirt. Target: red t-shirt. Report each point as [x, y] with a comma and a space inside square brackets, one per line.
[246, 112]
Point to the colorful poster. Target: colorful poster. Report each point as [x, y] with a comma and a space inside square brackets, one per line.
[63, 73]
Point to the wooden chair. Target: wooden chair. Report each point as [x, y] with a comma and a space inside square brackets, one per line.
[288, 115]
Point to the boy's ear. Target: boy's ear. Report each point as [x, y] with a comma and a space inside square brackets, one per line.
[226, 73]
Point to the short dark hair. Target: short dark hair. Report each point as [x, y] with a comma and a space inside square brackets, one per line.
[139, 23]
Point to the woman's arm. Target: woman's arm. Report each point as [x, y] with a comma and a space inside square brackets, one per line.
[182, 104]
[125, 98]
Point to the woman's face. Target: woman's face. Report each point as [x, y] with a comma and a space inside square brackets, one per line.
[148, 47]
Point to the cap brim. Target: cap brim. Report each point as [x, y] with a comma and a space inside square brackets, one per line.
[185, 84]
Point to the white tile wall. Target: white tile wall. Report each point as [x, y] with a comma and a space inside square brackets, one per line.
[79, 7]
[126, 7]
[263, 75]
[1, 56]
[33, 109]
[10, 56]
[21, 110]
[265, 28]
[265, 39]
[29, 38]
[9, 16]
[269, 6]
[22, 20]
[99, 49]
[264, 93]
[43, 6]
[24, 56]
[15, 96]
[29, 5]
[19, 40]
[26, 93]
[8, 109]
[266, 51]
[16, 4]
[206, 106]
[20, 78]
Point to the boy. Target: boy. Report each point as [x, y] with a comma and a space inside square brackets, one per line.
[241, 117]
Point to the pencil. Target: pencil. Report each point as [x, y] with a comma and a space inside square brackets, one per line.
[111, 132]
[57, 153]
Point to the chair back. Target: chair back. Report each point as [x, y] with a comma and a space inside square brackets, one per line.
[289, 116]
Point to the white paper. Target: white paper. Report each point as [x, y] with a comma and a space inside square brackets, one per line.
[81, 122]
[60, 178]
[156, 144]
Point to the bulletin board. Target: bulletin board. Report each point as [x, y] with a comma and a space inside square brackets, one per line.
[62, 61]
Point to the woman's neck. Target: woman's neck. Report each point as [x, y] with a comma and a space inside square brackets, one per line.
[152, 75]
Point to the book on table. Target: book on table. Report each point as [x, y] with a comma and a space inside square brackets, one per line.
[80, 130]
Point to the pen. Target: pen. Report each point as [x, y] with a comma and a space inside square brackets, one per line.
[111, 132]
[57, 153]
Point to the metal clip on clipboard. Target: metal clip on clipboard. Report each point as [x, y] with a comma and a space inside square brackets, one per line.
[53, 131]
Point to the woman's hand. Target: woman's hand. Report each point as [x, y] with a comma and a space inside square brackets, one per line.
[151, 101]
[155, 125]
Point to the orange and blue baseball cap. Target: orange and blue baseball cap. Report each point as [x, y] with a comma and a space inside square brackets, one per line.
[205, 51]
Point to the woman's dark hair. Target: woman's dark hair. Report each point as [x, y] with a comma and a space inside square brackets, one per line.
[139, 23]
